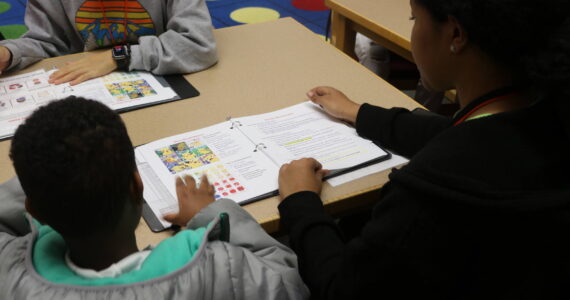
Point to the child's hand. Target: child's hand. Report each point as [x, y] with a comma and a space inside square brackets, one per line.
[191, 199]
[92, 65]
[301, 175]
[5, 58]
[335, 103]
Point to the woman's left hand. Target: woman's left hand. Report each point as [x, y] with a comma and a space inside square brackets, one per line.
[91, 65]
[301, 175]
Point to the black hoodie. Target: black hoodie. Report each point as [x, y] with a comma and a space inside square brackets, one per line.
[482, 211]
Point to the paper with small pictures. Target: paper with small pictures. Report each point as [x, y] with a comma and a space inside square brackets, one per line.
[22, 94]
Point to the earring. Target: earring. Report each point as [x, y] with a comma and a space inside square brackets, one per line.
[452, 48]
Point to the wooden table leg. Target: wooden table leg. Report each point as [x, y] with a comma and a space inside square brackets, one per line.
[342, 35]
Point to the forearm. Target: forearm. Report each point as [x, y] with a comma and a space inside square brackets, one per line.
[23, 52]
[244, 230]
[49, 34]
[186, 46]
[317, 241]
[161, 55]
[376, 262]
[399, 129]
[5, 58]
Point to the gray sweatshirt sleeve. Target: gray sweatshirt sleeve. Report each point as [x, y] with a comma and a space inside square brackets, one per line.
[186, 46]
[49, 34]
[258, 259]
[12, 219]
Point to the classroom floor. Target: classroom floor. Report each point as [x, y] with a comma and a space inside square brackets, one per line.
[311, 13]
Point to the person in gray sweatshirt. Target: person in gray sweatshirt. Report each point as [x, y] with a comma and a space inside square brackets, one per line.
[163, 37]
[67, 223]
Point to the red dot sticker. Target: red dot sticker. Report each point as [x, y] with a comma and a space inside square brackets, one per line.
[220, 189]
[232, 179]
[233, 191]
[229, 186]
[240, 188]
[236, 184]
[225, 194]
[216, 184]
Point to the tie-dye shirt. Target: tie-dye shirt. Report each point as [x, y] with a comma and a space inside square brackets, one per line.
[105, 22]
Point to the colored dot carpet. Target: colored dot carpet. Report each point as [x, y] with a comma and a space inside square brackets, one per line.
[311, 13]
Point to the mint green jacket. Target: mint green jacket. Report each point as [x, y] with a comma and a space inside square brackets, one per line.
[194, 264]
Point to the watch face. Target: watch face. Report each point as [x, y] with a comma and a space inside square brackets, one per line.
[119, 52]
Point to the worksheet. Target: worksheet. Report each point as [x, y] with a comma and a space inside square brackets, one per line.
[22, 94]
[229, 160]
[305, 130]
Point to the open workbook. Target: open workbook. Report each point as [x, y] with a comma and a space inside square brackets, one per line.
[20, 95]
[242, 156]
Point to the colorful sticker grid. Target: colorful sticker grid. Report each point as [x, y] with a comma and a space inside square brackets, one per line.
[182, 156]
[188, 156]
[170, 160]
[126, 90]
[224, 182]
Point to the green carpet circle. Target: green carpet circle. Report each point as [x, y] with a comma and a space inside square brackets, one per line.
[4, 7]
[13, 31]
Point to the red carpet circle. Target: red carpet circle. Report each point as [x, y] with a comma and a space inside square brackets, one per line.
[313, 5]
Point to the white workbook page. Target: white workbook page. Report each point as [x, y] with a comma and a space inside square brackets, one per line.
[22, 94]
[19, 96]
[305, 130]
[231, 162]
[118, 90]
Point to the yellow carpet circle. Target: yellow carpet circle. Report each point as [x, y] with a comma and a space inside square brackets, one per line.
[252, 15]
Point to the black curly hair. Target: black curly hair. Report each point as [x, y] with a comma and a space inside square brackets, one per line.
[75, 162]
[530, 37]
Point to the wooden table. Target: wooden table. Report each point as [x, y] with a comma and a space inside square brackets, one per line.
[387, 22]
[262, 67]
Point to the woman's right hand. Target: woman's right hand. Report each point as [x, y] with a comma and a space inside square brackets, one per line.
[301, 175]
[335, 103]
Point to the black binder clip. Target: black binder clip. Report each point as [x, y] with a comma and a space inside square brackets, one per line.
[234, 123]
[259, 147]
